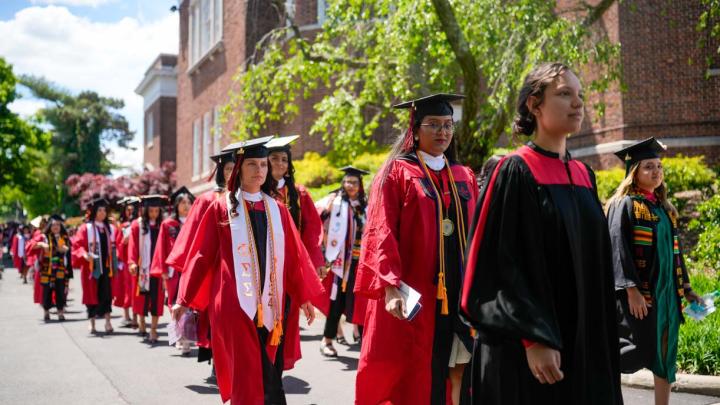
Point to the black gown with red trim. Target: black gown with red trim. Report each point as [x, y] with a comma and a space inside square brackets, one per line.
[539, 268]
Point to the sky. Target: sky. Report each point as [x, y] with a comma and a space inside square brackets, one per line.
[100, 45]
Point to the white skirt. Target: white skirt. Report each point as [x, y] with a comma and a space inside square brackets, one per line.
[458, 354]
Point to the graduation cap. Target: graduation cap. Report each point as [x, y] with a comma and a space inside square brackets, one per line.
[56, 217]
[281, 143]
[128, 200]
[98, 202]
[251, 148]
[353, 171]
[223, 157]
[35, 222]
[650, 148]
[435, 104]
[182, 191]
[154, 200]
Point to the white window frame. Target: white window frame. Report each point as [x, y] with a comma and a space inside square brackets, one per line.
[217, 129]
[196, 150]
[149, 130]
[207, 142]
[321, 11]
[205, 30]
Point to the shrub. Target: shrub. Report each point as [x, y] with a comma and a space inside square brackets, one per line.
[707, 250]
[314, 170]
[608, 181]
[699, 342]
[687, 173]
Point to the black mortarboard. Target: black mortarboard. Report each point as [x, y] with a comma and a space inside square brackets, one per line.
[56, 217]
[281, 143]
[251, 148]
[98, 202]
[353, 171]
[223, 157]
[128, 200]
[436, 104]
[154, 200]
[182, 190]
[648, 149]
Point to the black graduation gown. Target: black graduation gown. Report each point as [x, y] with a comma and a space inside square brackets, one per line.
[539, 268]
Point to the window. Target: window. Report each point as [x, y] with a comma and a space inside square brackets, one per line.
[205, 26]
[196, 149]
[321, 8]
[217, 130]
[149, 130]
[207, 142]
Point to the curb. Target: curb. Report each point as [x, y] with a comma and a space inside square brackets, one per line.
[694, 384]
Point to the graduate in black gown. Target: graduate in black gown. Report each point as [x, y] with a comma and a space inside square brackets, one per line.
[538, 285]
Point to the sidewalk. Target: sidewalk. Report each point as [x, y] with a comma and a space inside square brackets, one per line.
[694, 384]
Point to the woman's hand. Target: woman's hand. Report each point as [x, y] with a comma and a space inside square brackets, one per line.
[133, 268]
[63, 249]
[178, 311]
[636, 303]
[309, 311]
[322, 271]
[544, 363]
[395, 303]
[691, 295]
[165, 276]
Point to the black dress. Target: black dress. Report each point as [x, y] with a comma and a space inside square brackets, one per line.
[539, 268]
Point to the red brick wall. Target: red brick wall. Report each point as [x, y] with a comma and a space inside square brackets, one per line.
[163, 111]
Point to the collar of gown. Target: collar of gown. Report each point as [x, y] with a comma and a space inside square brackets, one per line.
[435, 163]
[252, 197]
[532, 145]
[182, 219]
[281, 183]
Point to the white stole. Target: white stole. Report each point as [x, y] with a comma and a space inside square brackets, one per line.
[244, 263]
[93, 236]
[145, 257]
[21, 247]
[337, 231]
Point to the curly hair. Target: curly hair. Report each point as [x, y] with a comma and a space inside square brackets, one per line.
[534, 85]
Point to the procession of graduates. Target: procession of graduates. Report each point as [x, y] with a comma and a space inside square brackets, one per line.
[530, 291]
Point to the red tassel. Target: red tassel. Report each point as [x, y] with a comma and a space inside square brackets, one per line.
[235, 173]
[212, 175]
[409, 140]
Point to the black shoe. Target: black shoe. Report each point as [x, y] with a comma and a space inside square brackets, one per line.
[46, 318]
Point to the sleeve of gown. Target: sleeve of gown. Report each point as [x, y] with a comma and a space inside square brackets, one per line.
[178, 255]
[506, 293]
[79, 247]
[162, 249]
[312, 229]
[302, 282]
[621, 234]
[202, 256]
[14, 246]
[133, 254]
[380, 263]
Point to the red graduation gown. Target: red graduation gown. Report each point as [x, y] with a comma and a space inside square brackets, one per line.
[18, 262]
[138, 303]
[79, 250]
[400, 243]
[169, 229]
[178, 254]
[209, 282]
[32, 252]
[311, 234]
[122, 282]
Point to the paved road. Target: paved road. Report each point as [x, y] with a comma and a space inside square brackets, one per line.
[60, 363]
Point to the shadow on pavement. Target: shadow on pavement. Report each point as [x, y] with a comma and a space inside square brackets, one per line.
[294, 385]
[306, 338]
[203, 389]
[351, 363]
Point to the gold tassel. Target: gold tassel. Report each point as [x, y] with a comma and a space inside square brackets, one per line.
[442, 294]
[260, 323]
[276, 333]
[344, 285]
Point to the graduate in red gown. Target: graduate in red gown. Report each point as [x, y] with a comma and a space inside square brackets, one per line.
[224, 164]
[149, 292]
[18, 250]
[32, 255]
[539, 284]
[302, 209]
[94, 253]
[344, 215]
[122, 282]
[246, 256]
[415, 236]
[182, 200]
[54, 263]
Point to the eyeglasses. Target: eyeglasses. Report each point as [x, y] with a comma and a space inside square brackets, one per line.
[448, 127]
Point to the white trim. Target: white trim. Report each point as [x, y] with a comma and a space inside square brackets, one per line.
[205, 31]
[196, 142]
[674, 142]
[206, 141]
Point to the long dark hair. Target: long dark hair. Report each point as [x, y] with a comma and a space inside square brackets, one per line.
[362, 198]
[124, 218]
[92, 213]
[48, 232]
[146, 219]
[293, 195]
[235, 184]
[220, 174]
[534, 85]
[178, 200]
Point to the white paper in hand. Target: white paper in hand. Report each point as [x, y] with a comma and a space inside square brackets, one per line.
[173, 335]
[412, 300]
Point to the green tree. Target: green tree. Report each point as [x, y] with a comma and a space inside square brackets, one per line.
[371, 54]
[20, 141]
[83, 128]
[709, 23]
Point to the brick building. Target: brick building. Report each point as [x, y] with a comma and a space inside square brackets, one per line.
[665, 96]
[670, 92]
[159, 91]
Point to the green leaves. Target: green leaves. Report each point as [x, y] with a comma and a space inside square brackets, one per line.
[371, 54]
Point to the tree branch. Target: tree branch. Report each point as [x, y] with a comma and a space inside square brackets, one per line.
[596, 13]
